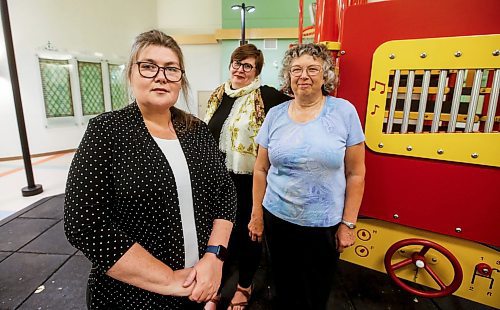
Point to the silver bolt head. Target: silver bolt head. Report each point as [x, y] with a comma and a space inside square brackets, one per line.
[474, 155]
[420, 263]
[392, 56]
[458, 230]
[380, 145]
[485, 270]
[423, 55]
[396, 216]
[496, 52]
[342, 52]
[440, 151]
[409, 148]
[458, 53]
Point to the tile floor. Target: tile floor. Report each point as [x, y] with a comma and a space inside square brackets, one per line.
[49, 171]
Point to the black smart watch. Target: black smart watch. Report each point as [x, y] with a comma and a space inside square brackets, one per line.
[220, 251]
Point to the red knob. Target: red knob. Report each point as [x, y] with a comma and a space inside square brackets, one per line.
[484, 269]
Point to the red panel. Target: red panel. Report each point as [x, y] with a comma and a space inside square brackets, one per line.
[427, 194]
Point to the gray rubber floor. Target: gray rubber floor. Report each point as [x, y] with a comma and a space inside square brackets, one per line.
[39, 269]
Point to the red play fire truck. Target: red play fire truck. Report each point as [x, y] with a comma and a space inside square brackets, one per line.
[424, 76]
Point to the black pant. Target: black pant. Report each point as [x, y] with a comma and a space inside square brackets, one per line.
[242, 251]
[303, 262]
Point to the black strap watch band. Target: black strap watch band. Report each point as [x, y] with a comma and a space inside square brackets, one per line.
[220, 251]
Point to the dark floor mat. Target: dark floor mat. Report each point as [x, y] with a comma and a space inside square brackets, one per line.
[23, 273]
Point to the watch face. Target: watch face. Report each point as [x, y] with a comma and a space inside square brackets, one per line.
[222, 253]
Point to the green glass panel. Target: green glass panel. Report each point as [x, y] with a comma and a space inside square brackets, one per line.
[267, 14]
[118, 86]
[91, 90]
[56, 87]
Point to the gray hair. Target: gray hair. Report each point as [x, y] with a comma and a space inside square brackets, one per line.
[317, 51]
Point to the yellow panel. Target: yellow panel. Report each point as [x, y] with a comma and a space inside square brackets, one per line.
[374, 237]
[476, 52]
[430, 116]
[331, 45]
[194, 39]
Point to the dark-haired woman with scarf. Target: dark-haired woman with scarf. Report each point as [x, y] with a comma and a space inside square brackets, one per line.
[236, 110]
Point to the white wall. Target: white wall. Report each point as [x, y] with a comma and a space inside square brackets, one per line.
[202, 61]
[189, 16]
[84, 27]
[9, 137]
[202, 70]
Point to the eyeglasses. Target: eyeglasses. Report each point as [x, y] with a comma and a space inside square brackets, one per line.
[246, 66]
[150, 70]
[312, 70]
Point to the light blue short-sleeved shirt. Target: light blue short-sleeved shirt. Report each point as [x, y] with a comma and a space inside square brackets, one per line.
[306, 181]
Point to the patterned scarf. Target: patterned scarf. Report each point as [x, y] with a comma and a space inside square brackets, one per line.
[237, 137]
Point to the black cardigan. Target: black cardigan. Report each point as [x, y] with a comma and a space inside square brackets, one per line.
[121, 190]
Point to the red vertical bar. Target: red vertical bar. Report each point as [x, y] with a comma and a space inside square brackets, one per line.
[327, 20]
[329, 17]
[301, 20]
[319, 20]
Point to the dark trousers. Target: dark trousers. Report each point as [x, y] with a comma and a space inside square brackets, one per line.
[242, 251]
[303, 262]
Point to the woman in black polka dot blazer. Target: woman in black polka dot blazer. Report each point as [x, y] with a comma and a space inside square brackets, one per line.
[126, 205]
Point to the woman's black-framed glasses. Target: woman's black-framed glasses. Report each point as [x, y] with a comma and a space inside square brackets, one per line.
[150, 70]
[237, 64]
[312, 70]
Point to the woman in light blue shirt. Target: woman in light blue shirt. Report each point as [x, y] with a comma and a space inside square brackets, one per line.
[308, 180]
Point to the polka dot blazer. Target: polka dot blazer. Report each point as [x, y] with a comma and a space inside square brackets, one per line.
[121, 190]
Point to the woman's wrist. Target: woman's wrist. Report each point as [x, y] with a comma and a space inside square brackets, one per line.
[257, 211]
[257, 207]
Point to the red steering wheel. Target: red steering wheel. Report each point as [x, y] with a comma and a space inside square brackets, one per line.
[418, 259]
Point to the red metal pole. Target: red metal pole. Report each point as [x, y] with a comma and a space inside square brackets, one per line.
[329, 17]
[301, 20]
[327, 20]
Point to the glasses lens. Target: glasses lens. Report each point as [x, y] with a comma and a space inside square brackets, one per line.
[247, 67]
[313, 70]
[173, 74]
[296, 71]
[236, 65]
[147, 69]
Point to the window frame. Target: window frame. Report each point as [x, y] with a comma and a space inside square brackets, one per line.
[78, 117]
